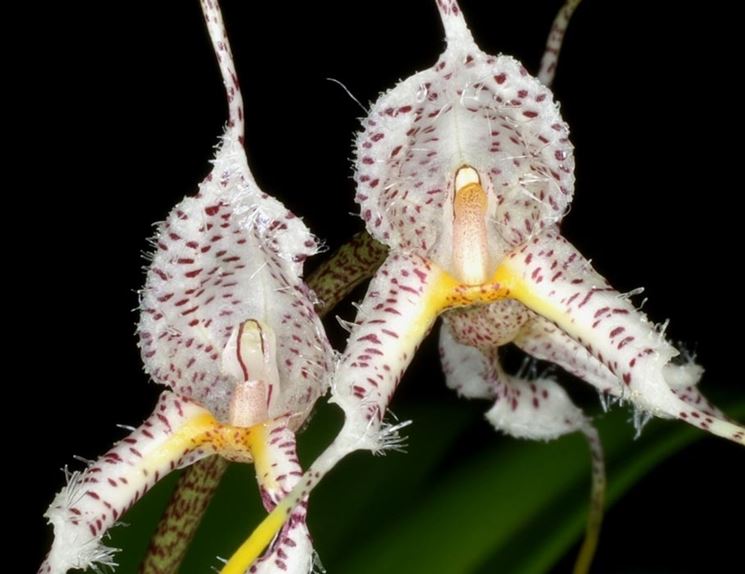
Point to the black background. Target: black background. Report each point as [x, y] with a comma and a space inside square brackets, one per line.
[126, 104]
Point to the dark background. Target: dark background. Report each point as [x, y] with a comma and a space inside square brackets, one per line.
[127, 104]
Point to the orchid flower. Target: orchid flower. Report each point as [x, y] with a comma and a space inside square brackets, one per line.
[331, 282]
[465, 171]
[229, 327]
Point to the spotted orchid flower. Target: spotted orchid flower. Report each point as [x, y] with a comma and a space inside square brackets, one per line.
[227, 324]
[331, 282]
[465, 171]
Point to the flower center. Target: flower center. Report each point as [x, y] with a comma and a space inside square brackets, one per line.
[470, 247]
[250, 357]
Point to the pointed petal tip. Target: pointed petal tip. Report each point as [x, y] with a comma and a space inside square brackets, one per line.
[221, 45]
[580, 302]
[457, 33]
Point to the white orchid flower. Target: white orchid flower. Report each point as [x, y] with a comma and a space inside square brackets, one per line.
[228, 325]
[465, 171]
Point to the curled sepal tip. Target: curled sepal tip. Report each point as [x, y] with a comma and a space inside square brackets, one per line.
[552, 278]
[177, 433]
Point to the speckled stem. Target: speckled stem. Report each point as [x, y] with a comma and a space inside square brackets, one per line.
[352, 264]
[555, 40]
[183, 515]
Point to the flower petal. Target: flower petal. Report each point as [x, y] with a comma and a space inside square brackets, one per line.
[400, 307]
[537, 409]
[552, 278]
[402, 302]
[95, 499]
[292, 549]
[534, 409]
[178, 433]
[469, 108]
[228, 255]
[465, 367]
[544, 340]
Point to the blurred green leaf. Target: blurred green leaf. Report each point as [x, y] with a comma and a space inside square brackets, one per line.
[518, 507]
